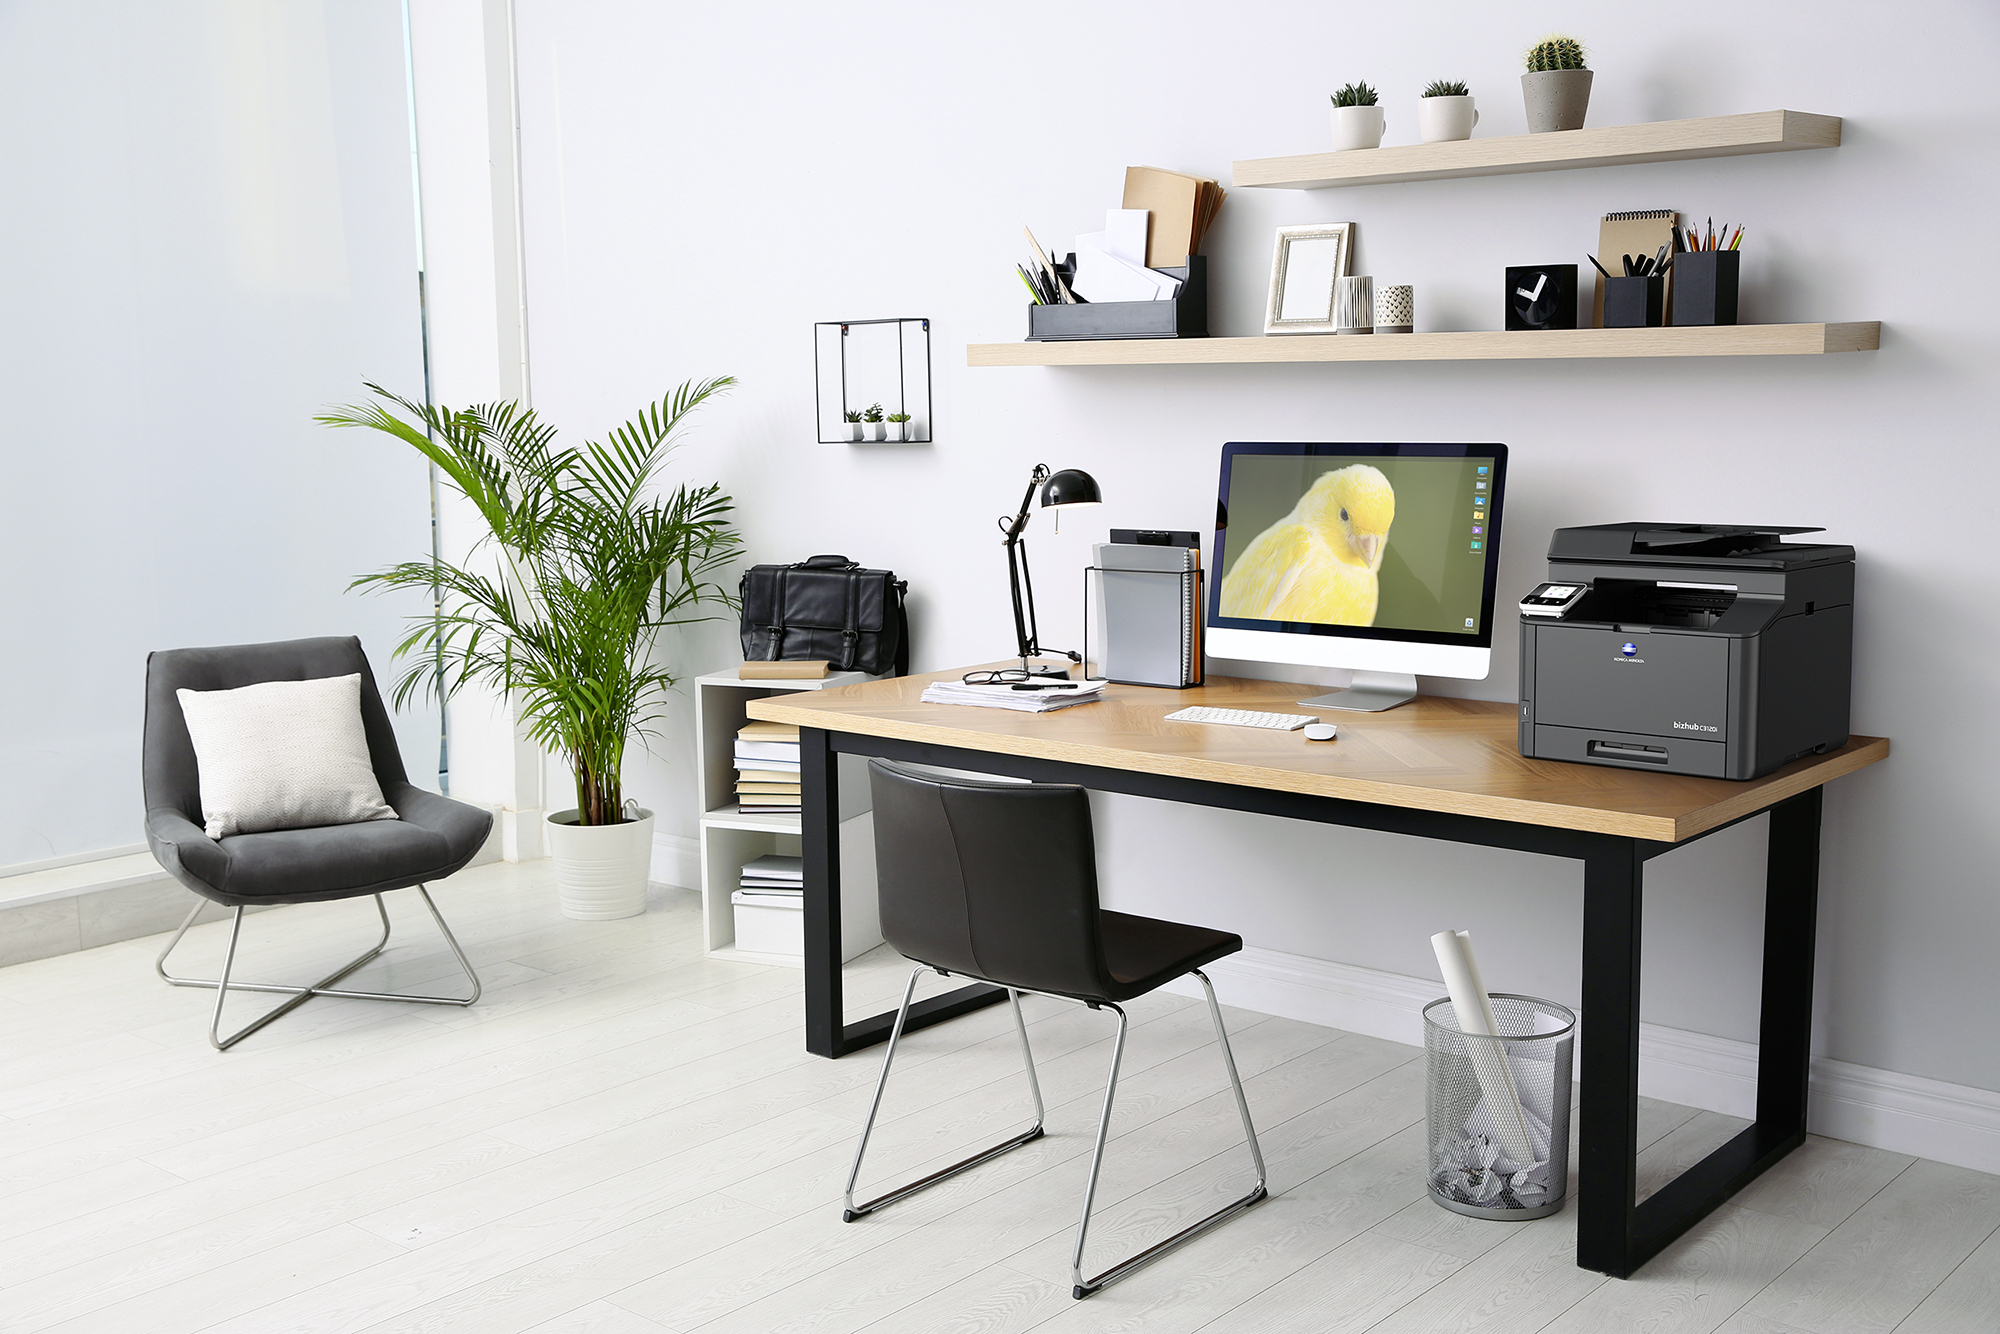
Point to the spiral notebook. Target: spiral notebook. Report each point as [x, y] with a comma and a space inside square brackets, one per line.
[1634, 234]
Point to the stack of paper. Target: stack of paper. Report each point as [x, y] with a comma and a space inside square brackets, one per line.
[767, 767]
[778, 880]
[1056, 695]
[1111, 264]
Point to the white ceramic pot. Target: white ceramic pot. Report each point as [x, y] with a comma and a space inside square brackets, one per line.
[893, 430]
[1557, 99]
[872, 430]
[1440, 119]
[601, 869]
[1357, 127]
[853, 430]
[1354, 305]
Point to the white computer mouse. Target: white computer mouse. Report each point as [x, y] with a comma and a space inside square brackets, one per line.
[1320, 731]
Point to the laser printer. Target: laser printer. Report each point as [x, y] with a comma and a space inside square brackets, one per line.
[1699, 649]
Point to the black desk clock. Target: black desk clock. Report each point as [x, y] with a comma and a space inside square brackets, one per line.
[1541, 296]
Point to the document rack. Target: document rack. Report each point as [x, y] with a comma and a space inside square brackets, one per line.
[1183, 316]
[1152, 625]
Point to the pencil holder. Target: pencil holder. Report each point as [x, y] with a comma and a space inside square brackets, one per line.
[1497, 1109]
[1705, 284]
[1635, 303]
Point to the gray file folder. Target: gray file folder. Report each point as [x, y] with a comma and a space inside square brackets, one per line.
[1152, 614]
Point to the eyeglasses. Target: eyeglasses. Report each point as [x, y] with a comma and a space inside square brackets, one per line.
[999, 677]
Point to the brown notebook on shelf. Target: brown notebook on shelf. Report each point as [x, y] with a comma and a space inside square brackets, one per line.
[1181, 208]
[1634, 234]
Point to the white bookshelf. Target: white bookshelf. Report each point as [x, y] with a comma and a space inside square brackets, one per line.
[729, 837]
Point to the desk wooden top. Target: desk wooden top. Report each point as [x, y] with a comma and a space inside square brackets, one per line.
[1456, 755]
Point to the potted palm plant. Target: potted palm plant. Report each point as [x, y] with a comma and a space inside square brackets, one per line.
[590, 560]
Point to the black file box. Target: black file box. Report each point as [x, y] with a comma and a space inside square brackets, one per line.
[1185, 316]
[1705, 283]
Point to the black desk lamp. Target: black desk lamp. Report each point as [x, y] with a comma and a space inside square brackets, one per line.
[1068, 487]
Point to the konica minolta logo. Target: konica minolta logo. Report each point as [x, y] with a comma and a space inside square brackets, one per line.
[1692, 727]
[1629, 652]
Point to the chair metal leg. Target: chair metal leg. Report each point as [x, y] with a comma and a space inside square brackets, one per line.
[1083, 1287]
[850, 1210]
[300, 995]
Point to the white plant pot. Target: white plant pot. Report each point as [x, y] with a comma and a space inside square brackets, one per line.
[853, 430]
[601, 869]
[893, 430]
[1441, 119]
[1357, 127]
[1556, 99]
[872, 430]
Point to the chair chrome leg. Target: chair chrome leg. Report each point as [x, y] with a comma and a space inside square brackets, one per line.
[1084, 1287]
[850, 1210]
[300, 995]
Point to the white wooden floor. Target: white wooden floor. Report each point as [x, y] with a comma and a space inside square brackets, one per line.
[625, 1137]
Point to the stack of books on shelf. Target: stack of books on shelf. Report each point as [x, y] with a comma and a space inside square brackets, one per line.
[772, 881]
[767, 768]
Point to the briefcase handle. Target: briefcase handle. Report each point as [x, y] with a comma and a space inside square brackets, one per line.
[826, 563]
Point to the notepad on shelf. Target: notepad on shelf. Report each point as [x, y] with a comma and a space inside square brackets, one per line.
[1182, 207]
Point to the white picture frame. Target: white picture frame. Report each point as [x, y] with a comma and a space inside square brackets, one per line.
[1306, 262]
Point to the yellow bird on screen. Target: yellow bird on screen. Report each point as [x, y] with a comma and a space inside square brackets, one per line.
[1318, 563]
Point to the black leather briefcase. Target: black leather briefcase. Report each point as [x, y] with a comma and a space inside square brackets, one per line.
[826, 607]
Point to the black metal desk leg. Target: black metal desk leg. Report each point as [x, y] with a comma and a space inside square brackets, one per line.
[1608, 1120]
[819, 830]
[1791, 914]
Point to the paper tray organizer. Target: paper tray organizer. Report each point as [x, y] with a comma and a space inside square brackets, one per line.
[1184, 316]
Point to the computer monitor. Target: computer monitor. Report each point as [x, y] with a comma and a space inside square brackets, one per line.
[1376, 557]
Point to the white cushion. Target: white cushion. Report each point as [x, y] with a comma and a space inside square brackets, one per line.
[282, 755]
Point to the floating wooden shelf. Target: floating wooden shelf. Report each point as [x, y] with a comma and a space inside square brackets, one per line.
[1736, 340]
[1610, 146]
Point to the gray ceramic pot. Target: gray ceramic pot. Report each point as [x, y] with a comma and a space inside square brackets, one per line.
[1557, 99]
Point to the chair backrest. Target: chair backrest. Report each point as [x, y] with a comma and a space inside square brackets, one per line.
[170, 776]
[994, 880]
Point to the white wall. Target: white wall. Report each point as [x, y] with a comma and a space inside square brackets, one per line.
[702, 183]
[208, 238]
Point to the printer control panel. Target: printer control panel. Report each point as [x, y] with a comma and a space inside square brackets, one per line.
[1552, 600]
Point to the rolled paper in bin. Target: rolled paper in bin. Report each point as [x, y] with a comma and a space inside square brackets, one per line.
[1474, 1012]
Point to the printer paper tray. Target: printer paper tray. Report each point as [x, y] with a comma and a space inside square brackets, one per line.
[1632, 750]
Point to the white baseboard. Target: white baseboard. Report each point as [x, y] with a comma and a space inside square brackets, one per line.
[1950, 1123]
[676, 861]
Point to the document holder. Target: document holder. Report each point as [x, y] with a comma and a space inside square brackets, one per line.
[1152, 624]
[1184, 316]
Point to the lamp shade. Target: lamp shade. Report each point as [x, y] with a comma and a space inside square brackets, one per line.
[1070, 487]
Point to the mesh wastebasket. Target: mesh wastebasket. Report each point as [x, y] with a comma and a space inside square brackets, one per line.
[1497, 1109]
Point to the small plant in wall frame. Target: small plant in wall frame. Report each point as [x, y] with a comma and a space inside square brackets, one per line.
[898, 426]
[871, 422]
[851, 423]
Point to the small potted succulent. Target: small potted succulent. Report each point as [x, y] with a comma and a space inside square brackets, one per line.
[1445, 112]
[899, 426]
[1357, 121]
[852, 422]
[871, 422]
[1556, 86]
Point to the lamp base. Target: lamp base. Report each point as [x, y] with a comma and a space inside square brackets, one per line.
[1041, 672]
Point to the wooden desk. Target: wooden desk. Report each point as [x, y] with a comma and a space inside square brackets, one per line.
[1435, 768]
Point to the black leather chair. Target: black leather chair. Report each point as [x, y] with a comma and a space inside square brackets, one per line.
[432, 837]
[998, 882]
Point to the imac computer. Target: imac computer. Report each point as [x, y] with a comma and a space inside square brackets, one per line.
[1380, 558]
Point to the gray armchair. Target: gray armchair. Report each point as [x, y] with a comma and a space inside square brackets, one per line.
[432, 837]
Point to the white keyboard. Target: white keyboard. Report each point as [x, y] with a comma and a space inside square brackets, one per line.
[1277, 722]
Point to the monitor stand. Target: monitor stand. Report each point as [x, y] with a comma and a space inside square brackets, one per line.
[1372, 692]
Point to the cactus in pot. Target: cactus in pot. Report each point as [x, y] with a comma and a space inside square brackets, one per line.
[1557, 85]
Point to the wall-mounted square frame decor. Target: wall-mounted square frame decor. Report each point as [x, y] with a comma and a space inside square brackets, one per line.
[1306, 262]
[864, 364]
